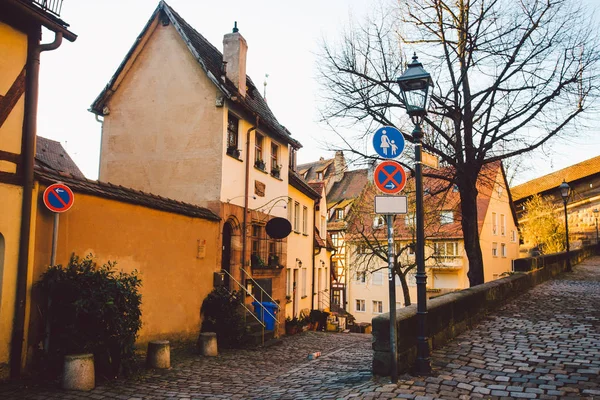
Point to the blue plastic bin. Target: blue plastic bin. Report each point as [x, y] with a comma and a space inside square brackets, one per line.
[264, 316]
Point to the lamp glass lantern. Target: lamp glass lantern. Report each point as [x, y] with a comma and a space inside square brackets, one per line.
[414, 88]
[565, 190]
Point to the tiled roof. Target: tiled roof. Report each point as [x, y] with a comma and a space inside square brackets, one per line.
[211, 61]
[120, 193]
[317, 186]
[309, 170]
[349, 187]
[296, 181]
[51, 154]
[553, 180]
[318, 241]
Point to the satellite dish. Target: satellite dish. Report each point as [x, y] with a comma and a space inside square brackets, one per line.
[278, 228]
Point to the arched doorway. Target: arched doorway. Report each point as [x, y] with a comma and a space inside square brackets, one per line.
[226, 251]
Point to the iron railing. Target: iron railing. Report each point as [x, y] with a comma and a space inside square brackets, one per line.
[51, 6]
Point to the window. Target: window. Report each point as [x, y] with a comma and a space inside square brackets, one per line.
[320, 176]
[258, 151]
[360, 305]
[513, 236]
[361, 277]
[495, 249]
[274, 157]
[378, 222]
[494, 224]
[339, 213]
[296, 217]
[445, 249]
[377, 277]
[409, 219]
[503, 250]
[446, 217]
[361, 248]
[304, 286]
[455, 188]
[232, 134]
[288, 286]
[502, 224]
[257, 258]
[377, 306]
[305, 220]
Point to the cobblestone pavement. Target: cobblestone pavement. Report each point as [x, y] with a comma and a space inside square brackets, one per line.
[543, 345]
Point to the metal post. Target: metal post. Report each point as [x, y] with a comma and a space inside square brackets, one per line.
[596, 230]
[423, 365]
[569, 268]
[392, 286]
[54, 240]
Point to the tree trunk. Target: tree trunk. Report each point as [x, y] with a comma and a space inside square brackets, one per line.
[470, 228]
[405, 291]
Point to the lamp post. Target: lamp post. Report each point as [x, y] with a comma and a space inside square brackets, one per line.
[596, 218]
[414, 88]
[565, 190]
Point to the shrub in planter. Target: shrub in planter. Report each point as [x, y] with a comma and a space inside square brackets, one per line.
[91, 309]
[222, 313]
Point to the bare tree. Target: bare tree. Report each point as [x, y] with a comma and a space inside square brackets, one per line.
[367, 231]
[509, 77]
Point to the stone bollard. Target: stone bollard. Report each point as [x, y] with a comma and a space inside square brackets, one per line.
[78, 372]
[159, 354]
[208, 344]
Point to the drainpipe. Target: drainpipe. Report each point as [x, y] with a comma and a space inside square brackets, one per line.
[32, 73]
[246, 200]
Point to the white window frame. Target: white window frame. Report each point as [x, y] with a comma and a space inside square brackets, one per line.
[494, 224]
[296, 217]
[409, 219]
[377, 307]
[361, 277]
[494, 249]
[503, 250]
[288, 286]
[513, 236]
[359, 305]
[377, 277]
[305, 220]
[502, 225]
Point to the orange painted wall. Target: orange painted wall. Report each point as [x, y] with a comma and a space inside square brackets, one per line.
[162, 246]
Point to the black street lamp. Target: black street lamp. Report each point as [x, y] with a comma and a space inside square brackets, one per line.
[596, 217]
[414, 87]
[565, 191]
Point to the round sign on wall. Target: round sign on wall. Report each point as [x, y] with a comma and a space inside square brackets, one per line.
[58, 197]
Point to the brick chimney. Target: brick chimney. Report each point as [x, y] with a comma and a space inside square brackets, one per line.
[234, 54]
[339, 163]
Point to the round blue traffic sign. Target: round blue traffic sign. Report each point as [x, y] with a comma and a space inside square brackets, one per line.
[58, 197]
[388, 142]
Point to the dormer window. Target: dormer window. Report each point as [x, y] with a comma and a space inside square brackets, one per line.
[274, 157]
[339, 213]
[320, 176]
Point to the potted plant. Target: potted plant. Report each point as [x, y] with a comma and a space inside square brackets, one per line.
[260, 164]
[276, 170]
[273, 261]
[256, 261]
[233, 151]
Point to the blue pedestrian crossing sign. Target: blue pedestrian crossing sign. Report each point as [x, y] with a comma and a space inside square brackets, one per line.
[388, 142]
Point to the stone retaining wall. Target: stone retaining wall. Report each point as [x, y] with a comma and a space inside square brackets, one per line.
[451, 314]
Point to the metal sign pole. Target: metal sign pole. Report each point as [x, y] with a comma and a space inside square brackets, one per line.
[392, 286]
[54, 240]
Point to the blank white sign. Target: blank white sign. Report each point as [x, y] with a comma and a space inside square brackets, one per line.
[391, 205]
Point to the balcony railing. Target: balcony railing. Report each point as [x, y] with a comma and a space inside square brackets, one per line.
[51, 6]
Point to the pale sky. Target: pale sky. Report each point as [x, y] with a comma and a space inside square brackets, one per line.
[283, 38]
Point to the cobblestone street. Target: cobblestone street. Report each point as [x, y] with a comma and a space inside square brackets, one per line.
[543, 345]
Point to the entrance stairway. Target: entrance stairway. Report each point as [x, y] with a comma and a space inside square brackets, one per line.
[256, 332]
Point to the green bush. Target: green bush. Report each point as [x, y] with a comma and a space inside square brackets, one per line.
[222, 313]
[92, 309]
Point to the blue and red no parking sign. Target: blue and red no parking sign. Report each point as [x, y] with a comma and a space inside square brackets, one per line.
[390, 177]
[58, 197]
